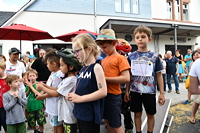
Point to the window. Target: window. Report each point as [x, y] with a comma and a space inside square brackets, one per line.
[127, 6]
[135, 6]
[185, 12]
[177, 9]
[118, 6]
[169, 9]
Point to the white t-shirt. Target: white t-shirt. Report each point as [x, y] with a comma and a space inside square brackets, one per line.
[195, 69]
[66, 107]
[52, 102]
[17, 69]
[164, 66]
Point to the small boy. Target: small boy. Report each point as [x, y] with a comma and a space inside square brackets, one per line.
[116, 69]
[35, 108]
[53, 63]
[14, 102]
[3, 89]
[123, 48]
[145, 68]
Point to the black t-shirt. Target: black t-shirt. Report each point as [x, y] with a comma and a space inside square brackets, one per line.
[41, 68]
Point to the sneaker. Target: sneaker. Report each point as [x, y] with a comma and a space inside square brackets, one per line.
[187, 102]
[169, 91]
[128, 131]
[177, 92]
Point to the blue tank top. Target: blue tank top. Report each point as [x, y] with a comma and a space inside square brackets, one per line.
[86, 84]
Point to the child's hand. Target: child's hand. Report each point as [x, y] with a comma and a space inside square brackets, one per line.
[21, 80]
[15, 94]
[38, 96]
[74, 98]
[28, 83]
[39, 86]
[161, 99]
[126, 97]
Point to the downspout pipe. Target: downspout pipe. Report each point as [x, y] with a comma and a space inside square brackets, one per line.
[95, 16]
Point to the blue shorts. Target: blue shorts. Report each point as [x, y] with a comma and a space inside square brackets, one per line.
[112, 110]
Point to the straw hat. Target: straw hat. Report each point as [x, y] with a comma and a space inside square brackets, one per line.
[106, 34]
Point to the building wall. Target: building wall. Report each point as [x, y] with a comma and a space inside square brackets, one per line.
[159, 10]
[194, 8]
[165, 40]
[57, 23]
[103, 7]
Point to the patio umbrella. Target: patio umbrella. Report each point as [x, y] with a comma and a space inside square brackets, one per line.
[23, 32]
[68, 37]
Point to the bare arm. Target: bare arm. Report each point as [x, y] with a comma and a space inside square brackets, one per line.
[126, 96]
[31, 87]
[181, 58]
[41, 96]
[100, 93]
[50, 92]
[49, 87]
[161, 98]
[123, 78]
[187, 59]
[194, 85]
[28, 92]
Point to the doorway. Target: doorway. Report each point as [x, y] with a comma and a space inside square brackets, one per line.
[183, 49]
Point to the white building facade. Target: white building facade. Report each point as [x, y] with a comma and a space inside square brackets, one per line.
[61, 17]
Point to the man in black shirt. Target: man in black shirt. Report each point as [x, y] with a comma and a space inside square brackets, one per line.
[41, 67]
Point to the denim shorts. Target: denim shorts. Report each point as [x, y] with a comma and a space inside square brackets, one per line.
[112, 110]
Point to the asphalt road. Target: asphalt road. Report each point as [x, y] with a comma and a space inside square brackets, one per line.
[181, 122]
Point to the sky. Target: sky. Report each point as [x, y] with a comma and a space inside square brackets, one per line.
[12, 5]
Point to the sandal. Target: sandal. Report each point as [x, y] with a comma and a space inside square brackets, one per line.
[192, 120]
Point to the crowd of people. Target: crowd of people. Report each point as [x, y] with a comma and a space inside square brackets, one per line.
[79, 88]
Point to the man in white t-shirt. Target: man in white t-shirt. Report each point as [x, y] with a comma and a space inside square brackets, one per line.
[15, 67]
[195, 77]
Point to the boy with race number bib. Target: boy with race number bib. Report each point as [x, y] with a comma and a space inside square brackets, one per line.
[145, 67]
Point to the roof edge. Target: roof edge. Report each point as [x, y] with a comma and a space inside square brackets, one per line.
[9, 21]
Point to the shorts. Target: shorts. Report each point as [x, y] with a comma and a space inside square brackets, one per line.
[197, 99]
[70, 128]
[88, 127]
[36, 116]
[16, 128]
[53, 120]
[147, 100]
[112, 110]
[3, 119]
